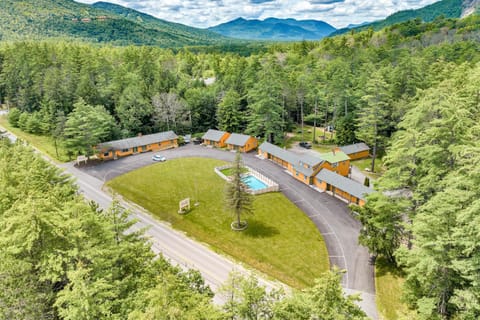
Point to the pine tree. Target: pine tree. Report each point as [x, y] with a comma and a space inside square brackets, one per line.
[237, 198]
[373, 116]
[383, 227]
[229, 114]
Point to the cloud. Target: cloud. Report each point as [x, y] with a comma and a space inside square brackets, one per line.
[205, 13]
[260, 1]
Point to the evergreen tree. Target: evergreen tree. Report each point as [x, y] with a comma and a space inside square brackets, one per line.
[382, 220]
[372, 117]
[229, 114]
[85, 127]
[237, 198]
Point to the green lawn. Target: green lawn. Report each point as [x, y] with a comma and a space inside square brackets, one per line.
[362, 164]
[388, 284]
[280, 240]
[296, 136]
[43, 143]
[229, 171]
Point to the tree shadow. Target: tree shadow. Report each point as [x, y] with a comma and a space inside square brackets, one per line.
[257, 229]
[384, 267]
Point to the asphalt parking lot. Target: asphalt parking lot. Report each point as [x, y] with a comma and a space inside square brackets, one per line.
[331, 216]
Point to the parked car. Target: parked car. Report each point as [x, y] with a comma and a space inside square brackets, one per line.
[197, 141]
[306, 145]
[158, 157]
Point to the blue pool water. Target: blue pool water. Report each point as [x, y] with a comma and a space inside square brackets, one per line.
[253, 183]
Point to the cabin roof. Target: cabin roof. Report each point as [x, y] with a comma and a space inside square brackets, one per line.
[213, 135]
[237, 139]
[137, 141]
[334, 156]
[354, 148]
[354, 188]
[280, 153]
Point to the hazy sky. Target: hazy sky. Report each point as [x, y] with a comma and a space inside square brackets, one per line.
[205, 13]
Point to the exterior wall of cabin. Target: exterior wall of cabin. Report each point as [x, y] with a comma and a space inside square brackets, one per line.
[105, 155]
[163, 145]
[341, 168]
[251, 144]
[359, 155]
[218, 144]
[301, 177]
[224, 138]
[168, 144]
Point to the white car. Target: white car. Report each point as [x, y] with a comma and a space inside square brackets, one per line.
[158, 157]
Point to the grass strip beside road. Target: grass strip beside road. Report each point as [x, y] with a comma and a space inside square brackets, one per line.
[388, 285]
[45, 144]
[280, 240]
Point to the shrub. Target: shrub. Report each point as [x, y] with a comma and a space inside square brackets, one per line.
[13, 117]
[22, 121]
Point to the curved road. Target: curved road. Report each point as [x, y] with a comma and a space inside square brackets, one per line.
[331, 216]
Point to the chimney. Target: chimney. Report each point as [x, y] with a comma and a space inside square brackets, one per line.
[333, 151]
[139, 134]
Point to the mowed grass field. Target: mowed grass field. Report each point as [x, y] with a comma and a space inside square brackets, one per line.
[280, 240]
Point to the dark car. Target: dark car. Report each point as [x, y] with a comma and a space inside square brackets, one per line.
[306, 145]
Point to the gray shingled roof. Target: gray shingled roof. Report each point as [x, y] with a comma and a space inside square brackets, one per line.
[237, 139]
[340, 182]
[310, 159]
[279, 153]
[138, 141]
[213, 135]
[306, 171]
[354, 148]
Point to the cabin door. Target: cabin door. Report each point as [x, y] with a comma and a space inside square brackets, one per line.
[135, 149]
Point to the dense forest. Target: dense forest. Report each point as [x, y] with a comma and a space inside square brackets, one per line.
[411, 91]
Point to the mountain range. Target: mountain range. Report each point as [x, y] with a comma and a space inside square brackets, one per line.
[104, 22]
[445, 8]
[100, 22]
[274, 29]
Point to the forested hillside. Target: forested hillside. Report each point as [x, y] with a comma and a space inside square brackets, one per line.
[410, 90]
[443, 8]
[101, 23]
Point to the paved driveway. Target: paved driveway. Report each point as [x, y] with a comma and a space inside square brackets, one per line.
[331, 216]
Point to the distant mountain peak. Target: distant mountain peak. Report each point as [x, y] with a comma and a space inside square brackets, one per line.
[274, 29]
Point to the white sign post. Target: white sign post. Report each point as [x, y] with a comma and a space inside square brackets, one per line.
[184, 206]
[80, 159]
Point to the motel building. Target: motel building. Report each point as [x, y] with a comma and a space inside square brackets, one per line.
[231, 141]
[327, 171]
[143, 143]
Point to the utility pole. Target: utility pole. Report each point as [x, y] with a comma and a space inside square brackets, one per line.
[301, 115]
[314, 140]
[325, 125]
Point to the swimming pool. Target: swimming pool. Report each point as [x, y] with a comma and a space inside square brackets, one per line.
[253, 183]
